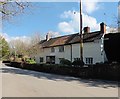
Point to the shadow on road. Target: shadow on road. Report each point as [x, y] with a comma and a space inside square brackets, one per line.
[86, 82]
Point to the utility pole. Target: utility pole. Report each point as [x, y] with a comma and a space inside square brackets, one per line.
[81, 35]
[119, 16]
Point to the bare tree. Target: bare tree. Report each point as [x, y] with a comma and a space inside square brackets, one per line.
[35, 38]
[18, 47]
[9, 8]
[35, 46]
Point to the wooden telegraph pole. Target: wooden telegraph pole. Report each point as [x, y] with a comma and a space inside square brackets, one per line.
[81, 35]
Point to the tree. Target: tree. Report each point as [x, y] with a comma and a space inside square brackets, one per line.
[18, 47]
[35, 38]
[4, 48]
[35, 47]
[8, 8]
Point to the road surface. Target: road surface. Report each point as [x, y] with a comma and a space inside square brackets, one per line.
[25, 83]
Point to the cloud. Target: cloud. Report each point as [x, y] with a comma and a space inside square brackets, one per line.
[71, 25]
[24, 39]
[91, 22]
[90, 6]
[66, 27]
[54, 34]
[72, 17]
[111, 30]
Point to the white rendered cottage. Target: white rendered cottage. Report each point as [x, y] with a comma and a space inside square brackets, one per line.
[68, 47]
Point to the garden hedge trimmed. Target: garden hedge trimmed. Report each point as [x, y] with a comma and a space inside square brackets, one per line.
[98, 71]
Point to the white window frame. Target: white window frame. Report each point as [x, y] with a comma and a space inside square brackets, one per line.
[75, 59]
[89, 60]
[61, 49]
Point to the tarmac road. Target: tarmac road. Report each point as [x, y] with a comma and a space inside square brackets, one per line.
[24, 83]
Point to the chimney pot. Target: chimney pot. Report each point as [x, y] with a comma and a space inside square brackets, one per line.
[103, 27]
[48, 36]
[87, 29]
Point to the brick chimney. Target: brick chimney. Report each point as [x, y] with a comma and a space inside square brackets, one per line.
[103, 27]
[48, 36]
[87, 29]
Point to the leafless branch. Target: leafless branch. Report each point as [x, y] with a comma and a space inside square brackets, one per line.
[10, 9]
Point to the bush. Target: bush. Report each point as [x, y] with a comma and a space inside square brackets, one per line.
[5, 61]
[65, 62]
[78, 63]
[30, 61]
[106, 72]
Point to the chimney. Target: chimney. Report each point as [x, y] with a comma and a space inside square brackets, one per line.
[48, 36]
[87, 29]
[103, 27]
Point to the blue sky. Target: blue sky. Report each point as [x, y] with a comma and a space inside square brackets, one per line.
[59, 18]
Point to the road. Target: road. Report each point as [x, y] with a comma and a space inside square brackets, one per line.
[25, 83]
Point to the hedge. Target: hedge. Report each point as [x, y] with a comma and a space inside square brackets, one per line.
[98, 71]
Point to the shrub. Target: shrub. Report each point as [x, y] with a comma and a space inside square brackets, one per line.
[78, 63]
[65, 62]
[5, 61]
[106, 62]
[30, 61]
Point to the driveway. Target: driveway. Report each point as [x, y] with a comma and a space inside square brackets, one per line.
[24, 83]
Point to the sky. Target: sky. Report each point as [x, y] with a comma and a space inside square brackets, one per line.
[59, 18]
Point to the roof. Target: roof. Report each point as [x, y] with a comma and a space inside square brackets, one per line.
[71, 39]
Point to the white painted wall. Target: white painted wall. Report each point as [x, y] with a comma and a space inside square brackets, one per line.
[90, 49]
[75, 51]
[93, 49]
[66, 54]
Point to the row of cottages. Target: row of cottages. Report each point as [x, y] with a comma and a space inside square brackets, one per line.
[68, 47]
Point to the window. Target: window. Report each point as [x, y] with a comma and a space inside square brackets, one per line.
[61, 48]
[61, 59]
[50, 59]
[89, 60]
[52, 49]
[75, 59]
[41, 59]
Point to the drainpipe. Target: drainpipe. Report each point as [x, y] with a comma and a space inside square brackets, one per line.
[71, 52]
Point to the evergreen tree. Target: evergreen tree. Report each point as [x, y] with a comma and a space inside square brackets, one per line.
[4, 48]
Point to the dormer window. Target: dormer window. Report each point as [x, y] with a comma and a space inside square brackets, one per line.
[52, 49]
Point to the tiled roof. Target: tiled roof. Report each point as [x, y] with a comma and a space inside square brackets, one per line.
[71, 39]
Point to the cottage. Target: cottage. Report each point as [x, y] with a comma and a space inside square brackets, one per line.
[68, 47]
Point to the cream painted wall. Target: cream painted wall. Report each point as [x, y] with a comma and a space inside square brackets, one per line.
[66, 54]
[75, 51]
[91, 49]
